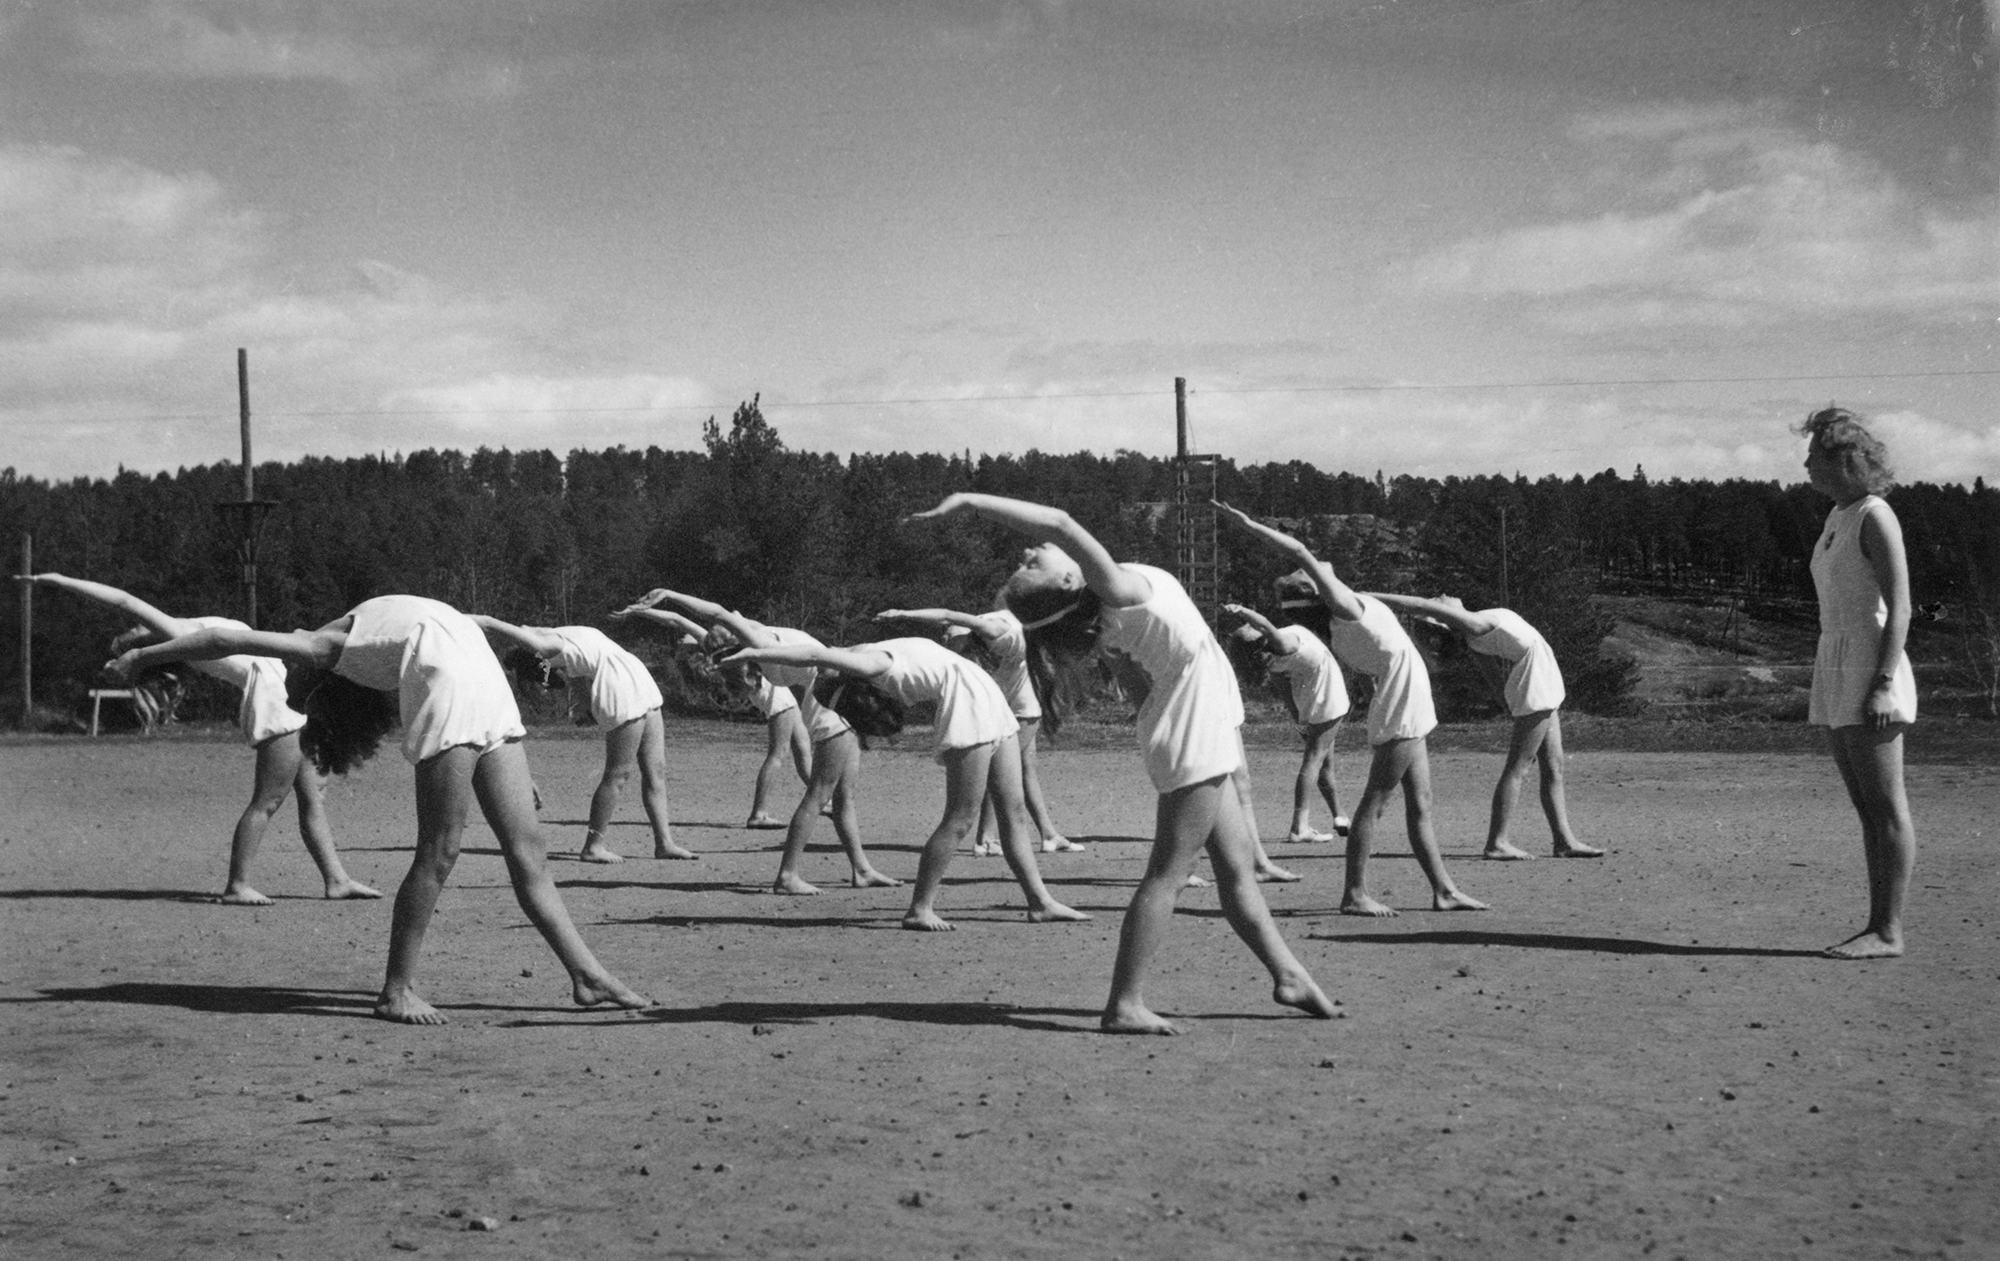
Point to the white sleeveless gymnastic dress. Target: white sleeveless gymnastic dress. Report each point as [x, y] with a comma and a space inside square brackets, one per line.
[1010, 666]
[1378, 647]
[770, 700]
[1534, 680]
[1188, 724]
[621, 687]
[1319, 692]
[263, 713]
[821, 722]
[449, 685]
[971, 709]
[1852, 614]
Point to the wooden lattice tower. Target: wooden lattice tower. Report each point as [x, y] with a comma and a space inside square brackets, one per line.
[1197, 547]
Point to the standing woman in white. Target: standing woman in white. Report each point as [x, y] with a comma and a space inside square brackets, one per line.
[1863, 690]
[1532, 684]
[425, 663]
[269, 726]
[624, 700]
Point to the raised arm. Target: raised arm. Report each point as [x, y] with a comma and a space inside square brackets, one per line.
[536, 639]
[984, 625]
[1449, 613]
[861, 663]
[165, 624]
[1339, 597]
[748, 631]
[662, 617]
[1264, 625]
[312, 648]
[1114, 585]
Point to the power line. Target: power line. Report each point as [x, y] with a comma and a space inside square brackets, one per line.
[1220, 391]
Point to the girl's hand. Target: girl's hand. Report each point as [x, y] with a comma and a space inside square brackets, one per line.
[1234, 610]
[950, 504]
[1237, 515]
[891, 615]
[1879, 709]
[648, 600]
[123, 666]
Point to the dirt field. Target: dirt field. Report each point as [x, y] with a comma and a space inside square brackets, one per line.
[1640, 1056]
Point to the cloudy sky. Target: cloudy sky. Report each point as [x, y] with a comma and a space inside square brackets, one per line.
[1423, 236]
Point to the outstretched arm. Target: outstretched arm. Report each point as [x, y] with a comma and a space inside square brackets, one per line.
[748, 632]
[861, 663]
[1450, 614]
[312, 648]
[984, 625]
[1114, 585]
[1338, 595]
[164, 624]
[536, 639]
[662, 617]
[1264, 625]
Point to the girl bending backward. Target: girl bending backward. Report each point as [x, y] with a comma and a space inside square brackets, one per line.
[977, 743]
[1075, 600]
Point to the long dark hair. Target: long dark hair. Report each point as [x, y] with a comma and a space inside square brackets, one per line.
[1056, 648]
[872, 712]
[345, 722]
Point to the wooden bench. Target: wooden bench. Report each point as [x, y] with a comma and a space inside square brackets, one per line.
[142, 705]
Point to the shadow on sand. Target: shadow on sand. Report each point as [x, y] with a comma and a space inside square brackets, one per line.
[1560, 941]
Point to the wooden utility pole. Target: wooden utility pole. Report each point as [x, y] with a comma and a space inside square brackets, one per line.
[26, 578]
[250, 512]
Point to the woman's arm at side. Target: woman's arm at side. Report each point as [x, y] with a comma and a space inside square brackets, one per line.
[1113, 584]
[124, 601]
[1882, 543]
[1338, 595]
[536, 639]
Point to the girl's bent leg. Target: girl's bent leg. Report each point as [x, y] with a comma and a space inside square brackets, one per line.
[621, 759]
[1243, 903]
[653, 787]
[1555, 799]
[444, 797]
[1522, 753]
[1183, 820]
[500, 778]
[1017, 834]
[822, 775]
[1053, 841]
[1445, 896]
[310, 788]
[278, 761]
[964, 788]
[1385, 770]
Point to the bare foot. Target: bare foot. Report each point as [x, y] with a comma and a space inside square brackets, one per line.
[1866, 945]
[1305, 836]
[1577, 849]
[244, 895]
[983, 848]
[1304, 993]
[608, 989]
[1061, 845]
[1196, 882]
[1051, 912]
[349, 887]
[792, 885]
[405, 1008]
[1342, 824]
[1506, 852]
[1274, 874]
[1362, 904]
[1453, 900]
[1136, 1018]
[763, 822]
[869, 878]
[926, 922]
[671, 850]
[598, 852]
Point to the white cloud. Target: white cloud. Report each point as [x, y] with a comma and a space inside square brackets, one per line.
[273, 39]
[1717, 216]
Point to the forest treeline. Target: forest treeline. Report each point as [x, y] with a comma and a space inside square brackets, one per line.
[814, 541]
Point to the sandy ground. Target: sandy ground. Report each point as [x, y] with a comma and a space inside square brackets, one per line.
[1640, 1056]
